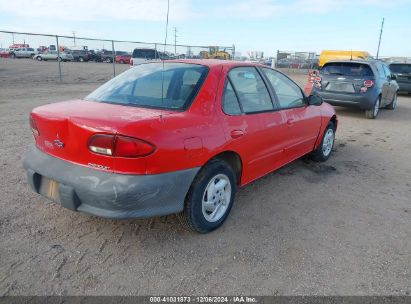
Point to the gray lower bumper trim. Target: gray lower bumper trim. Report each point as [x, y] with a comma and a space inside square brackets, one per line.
[107, 194]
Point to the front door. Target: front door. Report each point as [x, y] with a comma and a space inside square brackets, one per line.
[303, 122]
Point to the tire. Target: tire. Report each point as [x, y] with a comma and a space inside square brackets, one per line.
[39, 58]
[59, 59]
[373, 113]
[108, 60]
[324, 149]
[199, 213]
[12, 55]
[393, 103]
[81, 59]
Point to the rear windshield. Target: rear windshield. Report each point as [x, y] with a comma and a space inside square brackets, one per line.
[400, 68]
[149, 85]
[347, 69]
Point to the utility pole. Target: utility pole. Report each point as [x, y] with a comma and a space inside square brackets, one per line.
[379, 41]
[74, 37]
[13, 37]
[175, 41]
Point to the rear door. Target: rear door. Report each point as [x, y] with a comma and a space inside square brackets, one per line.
[392, 85]
[303, 122]
[253, 126]
[384, 83]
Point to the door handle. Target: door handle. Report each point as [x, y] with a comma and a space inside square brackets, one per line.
[236, 133]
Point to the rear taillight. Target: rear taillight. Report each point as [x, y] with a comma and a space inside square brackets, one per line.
[368, 83]
[317, 82]
[34, 127]
[119, 146]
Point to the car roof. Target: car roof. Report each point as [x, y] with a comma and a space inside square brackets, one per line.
[216, 62]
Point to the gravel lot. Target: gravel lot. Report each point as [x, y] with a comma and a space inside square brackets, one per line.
[338, 228]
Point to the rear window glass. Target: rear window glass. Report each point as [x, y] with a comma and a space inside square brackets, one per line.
[149, 85]
[400, 68]
[347, 69]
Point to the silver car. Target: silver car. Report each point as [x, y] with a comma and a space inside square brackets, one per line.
[52, 55]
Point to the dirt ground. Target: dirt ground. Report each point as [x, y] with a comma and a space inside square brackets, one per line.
[338, 228]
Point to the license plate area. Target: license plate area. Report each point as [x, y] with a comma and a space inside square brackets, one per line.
[50, 189]
[340, 87]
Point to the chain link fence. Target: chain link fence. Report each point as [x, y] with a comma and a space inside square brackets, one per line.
[57, 58]
[296, 60]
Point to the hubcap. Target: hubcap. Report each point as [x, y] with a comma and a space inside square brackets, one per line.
[328, 142]
[216, 198]
[377, 107]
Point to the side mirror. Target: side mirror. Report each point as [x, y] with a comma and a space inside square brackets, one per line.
[315, 100]
[393, 77]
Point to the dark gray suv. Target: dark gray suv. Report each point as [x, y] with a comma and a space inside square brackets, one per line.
[403, 73]
[367, 85]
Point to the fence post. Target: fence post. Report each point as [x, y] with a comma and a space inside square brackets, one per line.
[113, 58]
[58, 56]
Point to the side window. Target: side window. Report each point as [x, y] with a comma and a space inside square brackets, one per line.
[386, 70]
[230, 101]
[381, 70]
[289, 94]
[251, 89]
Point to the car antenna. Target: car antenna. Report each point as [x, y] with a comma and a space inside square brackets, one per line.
[165, 44]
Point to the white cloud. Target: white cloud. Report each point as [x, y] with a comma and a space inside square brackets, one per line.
[89, 10]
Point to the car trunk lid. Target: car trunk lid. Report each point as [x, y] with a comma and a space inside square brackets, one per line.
[66, 127]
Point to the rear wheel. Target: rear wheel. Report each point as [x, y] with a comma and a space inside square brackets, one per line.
[373, 113]
[393, 103]
[210, 197]
[323, 151]
[39, 58]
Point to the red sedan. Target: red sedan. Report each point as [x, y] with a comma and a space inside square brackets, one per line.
[123, 59]
[174, 137]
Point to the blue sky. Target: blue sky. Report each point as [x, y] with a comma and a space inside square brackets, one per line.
[251, 25]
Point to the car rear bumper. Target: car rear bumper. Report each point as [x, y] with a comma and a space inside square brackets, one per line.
[364, 101]
[106, 194]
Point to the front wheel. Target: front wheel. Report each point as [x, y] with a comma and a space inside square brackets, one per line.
[393, 103]
[323, 151]
[373, 113]
[39, 58]
[210, 197]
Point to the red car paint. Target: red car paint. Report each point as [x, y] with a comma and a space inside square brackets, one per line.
[123, 59]
[183, 139]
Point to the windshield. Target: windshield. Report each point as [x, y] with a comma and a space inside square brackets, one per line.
[347, 69]
[400, 68]
[148, 85]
